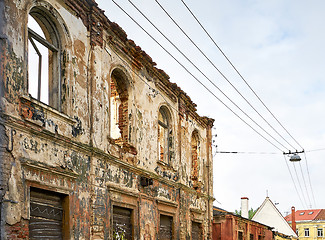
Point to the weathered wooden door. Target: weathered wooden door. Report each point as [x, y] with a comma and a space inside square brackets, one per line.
[122, 225]
[166, 228]
[46, 214]
[196, 231]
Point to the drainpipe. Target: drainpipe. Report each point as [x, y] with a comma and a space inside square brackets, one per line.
[293, 219]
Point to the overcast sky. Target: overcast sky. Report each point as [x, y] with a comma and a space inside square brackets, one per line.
[278, 47]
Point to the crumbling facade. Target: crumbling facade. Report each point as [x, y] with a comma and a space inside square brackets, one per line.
[229, 226]
[95, 141]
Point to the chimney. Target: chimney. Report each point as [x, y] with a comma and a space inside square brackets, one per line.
[293, 219]
[244, 207]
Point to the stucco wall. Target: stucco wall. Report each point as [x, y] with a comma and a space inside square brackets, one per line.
[70, 150]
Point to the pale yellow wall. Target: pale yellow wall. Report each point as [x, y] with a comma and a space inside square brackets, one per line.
[313, 226]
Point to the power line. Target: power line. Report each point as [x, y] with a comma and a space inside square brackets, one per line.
[303, 178]
[314, 150]
[312, 192]
[193, 75]
[197, 69]
[209, 60]
[196, 78]
[252, 91]
[294, 167]
[294, 184]
[197, 20]
[268, 153]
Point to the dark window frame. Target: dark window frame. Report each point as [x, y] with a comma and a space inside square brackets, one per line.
[320, 232]
[52, 42]
[167, 141]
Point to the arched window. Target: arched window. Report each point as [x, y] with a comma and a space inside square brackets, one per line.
[119, 106]
[165, 140]
[43, 58]
[195, 158]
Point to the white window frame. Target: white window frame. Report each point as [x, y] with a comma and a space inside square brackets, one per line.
[320, 232]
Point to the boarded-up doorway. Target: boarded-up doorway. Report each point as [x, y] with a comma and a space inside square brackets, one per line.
[166, 227]
[46, 214]
[196, 231]
[122, 224]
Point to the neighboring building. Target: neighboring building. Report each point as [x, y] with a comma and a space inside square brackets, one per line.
[229, 226]
[99, 144]
[309, 224]
[269, 215]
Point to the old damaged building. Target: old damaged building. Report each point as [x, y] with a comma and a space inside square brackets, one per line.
[95, 141]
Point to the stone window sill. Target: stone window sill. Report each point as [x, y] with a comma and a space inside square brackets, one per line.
[29, 102]
[166, 165]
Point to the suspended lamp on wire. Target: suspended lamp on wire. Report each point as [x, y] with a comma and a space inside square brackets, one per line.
[295, 158]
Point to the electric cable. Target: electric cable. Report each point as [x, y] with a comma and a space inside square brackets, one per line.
[196, 68]
[194, 76]
[198, 80]
[314, 150]
[219, 71]
[312, 192]
[197, 20]
[303, 178]
[150, 87]
[268, 153]
[294, 167]
[294, 184]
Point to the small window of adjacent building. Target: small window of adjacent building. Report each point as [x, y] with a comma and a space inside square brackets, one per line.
[310, 213]
[302, 213]
[122, 223]
[320, 232]
[43, 58]
[306, 232]
[166, 228]
[47, 215]
[240, 235]
[251, 236]
[165, 140]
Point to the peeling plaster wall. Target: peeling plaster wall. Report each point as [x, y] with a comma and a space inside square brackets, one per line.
[70, 150]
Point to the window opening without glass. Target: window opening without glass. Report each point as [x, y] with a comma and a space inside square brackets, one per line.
[164, 135]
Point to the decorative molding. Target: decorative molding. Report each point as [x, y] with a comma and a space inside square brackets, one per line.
[113, 188]
[27, 163]
[166, 202]
[196, 210]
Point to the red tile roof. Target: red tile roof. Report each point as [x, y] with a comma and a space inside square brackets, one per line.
[304, 215]
[321, 215]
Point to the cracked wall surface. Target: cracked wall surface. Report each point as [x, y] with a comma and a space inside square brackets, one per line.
[97, 147]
